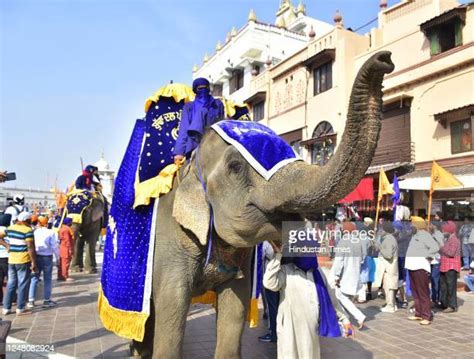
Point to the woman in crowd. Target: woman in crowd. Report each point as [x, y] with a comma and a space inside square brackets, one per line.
[450, 266]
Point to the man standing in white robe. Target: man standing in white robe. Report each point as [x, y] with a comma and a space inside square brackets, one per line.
[298, 314]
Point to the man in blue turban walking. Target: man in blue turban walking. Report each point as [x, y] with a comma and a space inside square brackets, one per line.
[198, 115]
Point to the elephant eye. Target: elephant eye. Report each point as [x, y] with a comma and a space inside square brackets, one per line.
[235, 167]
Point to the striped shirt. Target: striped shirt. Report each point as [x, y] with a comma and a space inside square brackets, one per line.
[17, 236]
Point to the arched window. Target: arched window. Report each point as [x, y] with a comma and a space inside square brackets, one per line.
[323, 143]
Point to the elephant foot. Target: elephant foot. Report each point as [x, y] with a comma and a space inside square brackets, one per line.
[75, 269]
[138, 350]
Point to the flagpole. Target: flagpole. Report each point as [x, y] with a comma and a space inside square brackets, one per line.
[429, 207]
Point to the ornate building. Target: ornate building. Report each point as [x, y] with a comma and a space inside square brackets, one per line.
[107, 177]
[428, 99]
[245, 53]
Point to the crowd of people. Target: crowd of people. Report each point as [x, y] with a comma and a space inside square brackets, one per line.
[29, 249]
[412, 264]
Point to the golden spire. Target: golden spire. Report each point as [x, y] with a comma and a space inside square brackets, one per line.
[218, 46]
[195, 68]
[206, 58]
[252, 16]
[233, 32]
[281, 23]
[338, 19]
[301, 8]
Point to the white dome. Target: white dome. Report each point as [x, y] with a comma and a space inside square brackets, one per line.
[102, 164]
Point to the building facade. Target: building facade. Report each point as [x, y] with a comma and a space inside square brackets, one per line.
[107, 177]
[428, 99]
[43, 200]
[245, 53]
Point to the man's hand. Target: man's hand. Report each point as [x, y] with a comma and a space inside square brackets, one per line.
[178, 159]
[33, 267]
[276, 247]
[3, 176]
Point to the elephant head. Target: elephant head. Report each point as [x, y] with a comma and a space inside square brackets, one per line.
[247, 209]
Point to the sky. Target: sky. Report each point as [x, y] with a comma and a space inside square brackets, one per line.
[75, 74]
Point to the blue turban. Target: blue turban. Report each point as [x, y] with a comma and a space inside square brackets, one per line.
[201, 81]
[67, 221]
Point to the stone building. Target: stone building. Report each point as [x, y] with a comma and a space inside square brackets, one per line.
[428, 99]
[107, 177]
[246, 52]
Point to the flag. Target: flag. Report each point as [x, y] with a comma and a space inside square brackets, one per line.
[440, 178]
[396, 189]
[384, 185]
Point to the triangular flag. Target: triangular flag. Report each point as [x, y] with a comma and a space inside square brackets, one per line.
[440, 178]
[384, 185]
[396, 190]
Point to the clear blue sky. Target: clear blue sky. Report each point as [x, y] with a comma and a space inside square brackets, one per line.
[75, 73]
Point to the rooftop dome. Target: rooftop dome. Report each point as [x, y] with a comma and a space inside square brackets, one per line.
[102, 164]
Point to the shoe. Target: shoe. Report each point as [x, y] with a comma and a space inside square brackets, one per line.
[449, 310]
[23, 312]
[7, 311]
[30, 305]
[405, 305]
[369, 295]
[49, 304]
[388, 309]
[425, 322]
[69, 279]
[362, 324]
[414, 317]
[266, 339]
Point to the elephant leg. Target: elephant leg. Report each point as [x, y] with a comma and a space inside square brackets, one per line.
[233, 299]
[77, 263]
[171, 309]
[144, 349]
[90, 264]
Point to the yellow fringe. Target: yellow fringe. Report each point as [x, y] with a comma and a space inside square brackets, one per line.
[129, 325]
[76, 218]
[253, 314]
[230, 106]
[209, 297]
[154, 187]
[177, 91]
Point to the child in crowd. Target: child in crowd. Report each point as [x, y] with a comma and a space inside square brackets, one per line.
[66, 250]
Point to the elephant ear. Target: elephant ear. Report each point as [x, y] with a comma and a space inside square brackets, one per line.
[191, 209]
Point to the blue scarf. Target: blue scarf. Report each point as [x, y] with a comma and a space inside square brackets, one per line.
[328, 323]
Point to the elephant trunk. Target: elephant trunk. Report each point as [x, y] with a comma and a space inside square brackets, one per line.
[299, 187]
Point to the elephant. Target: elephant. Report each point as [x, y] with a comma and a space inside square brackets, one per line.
[218, 186]
[86, 235]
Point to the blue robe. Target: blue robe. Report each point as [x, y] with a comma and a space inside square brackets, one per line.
[195, 119]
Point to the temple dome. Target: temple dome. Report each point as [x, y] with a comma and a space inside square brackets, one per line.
[102, 164]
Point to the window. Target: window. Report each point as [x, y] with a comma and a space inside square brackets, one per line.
[461, 136]
[445, 36]
[322, 78]
[217, 90]
[322, 149]
[259, 111]
[236, 81]
[296, 145]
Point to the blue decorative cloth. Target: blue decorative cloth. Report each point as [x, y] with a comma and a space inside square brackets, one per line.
[127, 243]
[162, 121]
[263, 149]
[328, 322]
[76, 203]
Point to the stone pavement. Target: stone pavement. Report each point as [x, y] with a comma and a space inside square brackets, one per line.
[75, 330]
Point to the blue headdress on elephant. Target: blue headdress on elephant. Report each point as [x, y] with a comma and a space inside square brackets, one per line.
[198, 115]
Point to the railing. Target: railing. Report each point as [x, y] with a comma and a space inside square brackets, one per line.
[392, 153]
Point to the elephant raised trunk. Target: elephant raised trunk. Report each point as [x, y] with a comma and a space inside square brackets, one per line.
[324, 186]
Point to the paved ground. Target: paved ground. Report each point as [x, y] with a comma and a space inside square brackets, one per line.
[75, 330]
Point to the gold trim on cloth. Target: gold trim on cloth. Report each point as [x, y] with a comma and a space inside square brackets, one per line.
[129, 325]
[154, 187]
[177, 91]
